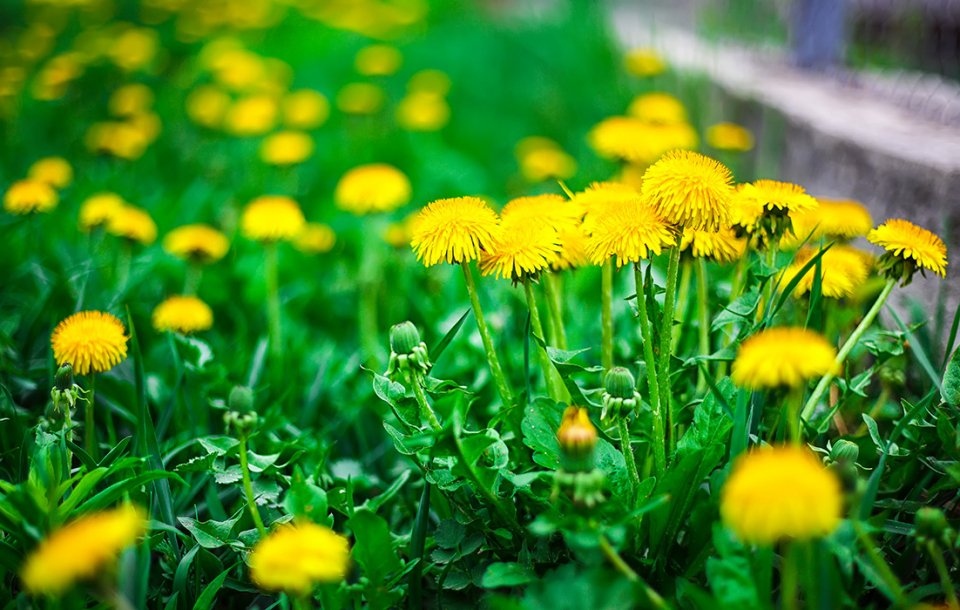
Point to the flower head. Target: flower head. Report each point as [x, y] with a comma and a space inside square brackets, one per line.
[430, 81]
[305, 109]
[910, 244]
[182, 314]
[253, 115]
[295, 557]
[315, 238]
[554, 211]
[577, 437]
[729, 136]
[453, 230]
[286, 148]
[520, 250]
[542, 159]
[690, 190]
[422, 111]
[783, 196]
[90, 342]
[722, 246]
[207, 106]
[644, 62]
[782, 357]
[629, 230]
[844, 269]
[831, 219]
[573, 248]
[134, 224]
[198, 243]
[55, 171]
[361, 98]
[637, 141]
[746, 209]
[28, 196]
[378, 60]
[600, 194]
[97, 210]
[81, 549]
[778, 493]
[658, 108]
[372, 188]
[272, 218]
[130, 99]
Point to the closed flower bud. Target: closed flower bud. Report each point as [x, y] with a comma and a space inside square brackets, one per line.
[65, 393]
[578, 438]
[404, 337]
[64, 379]
[844, 451]
[241, 399]
[620, 396]
[932, 526]
[408, 354]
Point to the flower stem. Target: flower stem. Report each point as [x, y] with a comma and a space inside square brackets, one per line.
[606, 314]
[880, 565]
[426, 411]
[549, 374]
[301, 602]
[89, 432]
[498, 377]
[683, 297]
[123, 265]
[617, 561]
[273, 301]
[248, 488]
[551, 287]
[191, 280]
[666, 332]
[789, 578]
[868, 319]
[653, 385]
[936, 555]
[703, 309]
[628, 456]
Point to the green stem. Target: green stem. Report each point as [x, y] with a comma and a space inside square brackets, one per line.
[653, 385]
[606, 314]
[628, 455]
[369, 286]
[273, 301]
[868, 319]
[191, 279]
[498, 377]
[880, 565]
[549, 374]
[703, 309]
[425, 410]
[551, 287]
[789, 578]
[621, 566]
[666, 332]
[948, 589]
[248, 488]
[123, 265]
[683, 298]
[301, 602]
[89, 432]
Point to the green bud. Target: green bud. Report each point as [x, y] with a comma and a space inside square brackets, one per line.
[244, 423]
[241, 399]
[932, 525]
[64, 379]
[408, 354]
[619, 383]
[844, 451]
[404, 337]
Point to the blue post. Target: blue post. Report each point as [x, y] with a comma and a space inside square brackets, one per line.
[818, 33]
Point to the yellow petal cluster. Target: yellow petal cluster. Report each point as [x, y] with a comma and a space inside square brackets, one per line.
[519, 250]
[453, 230]
[729, 136]
[97, 210]
[305, 109]
[90, 342]
[296, 557]
[844, 270]
[782, 357]
[690, 190]
[722, 246]
[182, 314]
[628, 230]
[373, 188]
[198, 242]
[28, 196]
[55, 171]
[658, 107]
[271, 218]
[906, 240]
[315, 238]
[133, 223]
[286, 148]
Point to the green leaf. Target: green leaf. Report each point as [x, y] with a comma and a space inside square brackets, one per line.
[211, 534]
[111, 494]
[206, 599]
[507, 575]
[711, 422]
[80, 492]
[373, 550]
[440, 347]
[950, 392]
[304, 499]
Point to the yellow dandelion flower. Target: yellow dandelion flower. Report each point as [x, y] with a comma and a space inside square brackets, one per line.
[28, 196]
[430, 81]
[119, 139]
[97, 210]
[182, 314]
[315, 238]
[55, 171]
[554, 211]
[305, 109]
[576, 435]
[296, 556]
[90, 342]
[422, 111]
[784, 196]
[629, 230]
[746, 209]
[600, 194]
[906, 241]
[286, 148]
[780, 493]
[133, 48]
[722, 246]
[832, 219]
[542, 159]
[207, 105]
[453, 230]
[147, 123]
[520, 250]
[271, 218]
[372, 188]
[644, 62]
[253, 115]
[198, 243]
[573, 249]
[844, 270]
[729, 136]
[658, 108]
[690, 190]
[130, 99]
[238, 69]
[782, 357]
[81, 549]
[134, 224]
[378, 60]
[361, 98]
[630, 139]
[398, 234]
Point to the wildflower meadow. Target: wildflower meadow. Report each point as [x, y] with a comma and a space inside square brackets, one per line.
[424, 304]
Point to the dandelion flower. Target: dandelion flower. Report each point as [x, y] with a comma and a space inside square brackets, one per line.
[573, 249]
[834, 219]
[844, 271]
[784, 196]
[729, 136]
[431, 81]
[782, 357]
[81, 549]
[630, 231]
[90, 342]
[254, 115]
[636, 141]
[690, 190]
[554, 211]
[361, 98]
[422, 111]
[372, 188]
[97, 210]
[182, 314]
[315, 238]
[378, 60]
[644, 63]
[207, 106]
[722, 246]
[779, 493]
[542, 159]
[453, 230]
[130, 99]
[746, 209]
[55, 171]
[271, 218]
[28, 196]
[199, 243]
[286, 148]
[520, 250]
[295, 557]
[658, 108]
[908, 242]
[134, 224]
[305, 109]
[600, 194]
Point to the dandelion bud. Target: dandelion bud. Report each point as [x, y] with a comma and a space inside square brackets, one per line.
[65, 393]
[244, 423]
[408, 354]
[620, 396]
[577, 438]
[241, 399]
[932, 526]
[64, 379]
[844, 451]
[404, 337]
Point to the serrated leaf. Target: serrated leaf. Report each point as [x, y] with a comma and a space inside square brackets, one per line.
[211, 534]
[508, 574]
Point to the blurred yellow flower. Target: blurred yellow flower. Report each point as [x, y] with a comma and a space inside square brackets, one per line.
[576, 435]
[361, 98]
[97, 210]
[453, 230]
[722, 246]
[198, 243]
[430, 81]
[783, 196]
[28, 196]
[133, 48]
[378, 60]
[55, 171]
[844, 271]
[372, 188]
[130, 99]
[573, 249]
[542, 159]
[644, 62]
[134, 224]
[913, 244]
[90, 342]
[690, 190]
[120, 139]
[729, 136]
[629, 230]
[782, 357]
[520, 250]
[832, 219]
[636, 141]
[182, 314]
[253, 115]
[746, 209]
[422, 111]
[81, 549]
[780, 493]
[59, 71]
[600, 194]
[296, 557]
[315, 238]
[272, 218]
[207, 105]
[305, 109]
[553, 211]
[286, 148]
[658, 108]
[237, 69]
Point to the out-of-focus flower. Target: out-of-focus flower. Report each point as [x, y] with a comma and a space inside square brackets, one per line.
[207, 105]
[133, 223]
[690, 190]
[29, 196]
[56, 75]
[658, 108]
[832, 219]
[286, 148]
[133, 48]
[97, 210]
[422, 111]
[556, 212]
[90, 342]
[253, 115]
[131, 99]
[197, 243]
[271, 218]
[844, 269]
[782, 357]
[315, 238]
[295, 557]
[430, 81]
[644, 62]
[305, 109]
[55, 171]
[453, 230]
[117, 138]
[372, 188]
[182, 314]
[636, 141]
[729, 136]
[542, 159]
[361, 98]
[378, 60]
